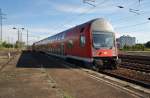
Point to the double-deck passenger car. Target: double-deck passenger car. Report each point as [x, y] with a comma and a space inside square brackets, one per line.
[92, 42]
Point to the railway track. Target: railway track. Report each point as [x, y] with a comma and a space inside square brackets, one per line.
[98, 77]
[136, 59]
[135, 66]
[134, 62]
[130, 74]
[129, 77]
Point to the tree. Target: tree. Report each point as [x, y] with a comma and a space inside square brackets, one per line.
[126, 47]
[147, 44]
[140, 47]
[19, 44]
[6, 45]
[137, 47]
[0, 44]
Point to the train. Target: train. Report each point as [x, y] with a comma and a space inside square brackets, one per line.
[93, 43]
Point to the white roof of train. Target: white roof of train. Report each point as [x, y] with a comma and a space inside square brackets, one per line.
[99, 24]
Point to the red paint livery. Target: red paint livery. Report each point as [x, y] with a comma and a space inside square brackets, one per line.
[93, 42]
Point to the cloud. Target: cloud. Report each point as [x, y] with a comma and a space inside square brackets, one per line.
[69, 8]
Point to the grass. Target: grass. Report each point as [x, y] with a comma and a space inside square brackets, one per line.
[7, 49]
[136, 50]
[147, 49]
[66, 95]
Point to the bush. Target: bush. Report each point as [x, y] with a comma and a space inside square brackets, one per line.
[6, 45]
[19, 44]
[137, 47]
[147, 44]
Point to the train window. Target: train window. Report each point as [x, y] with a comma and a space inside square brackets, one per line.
[82, 40]
[70, 44]
[63, 36]
[59, 36]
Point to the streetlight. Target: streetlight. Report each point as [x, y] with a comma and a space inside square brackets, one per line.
[19, 33]
[27, 35]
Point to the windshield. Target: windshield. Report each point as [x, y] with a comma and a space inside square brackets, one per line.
[103, 39]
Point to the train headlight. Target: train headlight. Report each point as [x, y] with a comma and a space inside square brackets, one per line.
[105, 53]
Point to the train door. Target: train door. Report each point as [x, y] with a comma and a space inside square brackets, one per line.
[62, 48]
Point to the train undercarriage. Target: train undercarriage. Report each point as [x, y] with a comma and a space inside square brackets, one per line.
[105, 63]
[98, 63]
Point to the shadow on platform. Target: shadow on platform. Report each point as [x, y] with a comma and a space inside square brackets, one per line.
[30, 59]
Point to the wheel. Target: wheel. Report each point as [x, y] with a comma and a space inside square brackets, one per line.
[97, 66]
[114, 66]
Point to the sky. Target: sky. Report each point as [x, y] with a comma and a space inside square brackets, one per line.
[43, 18]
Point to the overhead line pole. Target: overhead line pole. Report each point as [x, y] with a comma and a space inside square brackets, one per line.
[27, 37]
[1, 24]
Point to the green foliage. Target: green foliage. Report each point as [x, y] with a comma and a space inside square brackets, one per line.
[126, 47]
[0, 44]
[8, 45]
[5, 45]
[67, 96]
[137, 47]
[147, 44]
[19, 44]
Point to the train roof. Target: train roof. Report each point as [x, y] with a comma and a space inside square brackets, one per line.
[98, 24]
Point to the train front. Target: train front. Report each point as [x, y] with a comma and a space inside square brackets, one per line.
[104, 48]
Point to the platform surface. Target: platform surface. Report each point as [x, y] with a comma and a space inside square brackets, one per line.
[36, 75]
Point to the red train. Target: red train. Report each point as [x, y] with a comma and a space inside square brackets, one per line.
[93, 43]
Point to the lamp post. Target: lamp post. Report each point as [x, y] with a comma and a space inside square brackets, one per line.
[19, 35]
[27, 35]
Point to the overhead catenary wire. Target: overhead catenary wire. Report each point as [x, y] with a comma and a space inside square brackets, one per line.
[134, 25]
[83, 13]
[92, 8]
[129, 26]
[88, 10]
